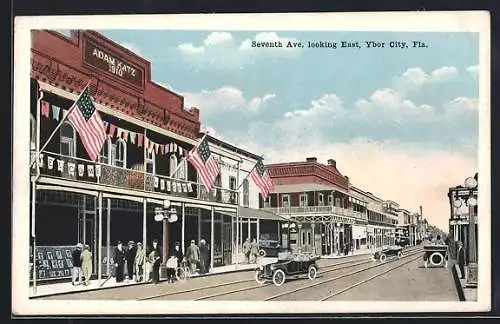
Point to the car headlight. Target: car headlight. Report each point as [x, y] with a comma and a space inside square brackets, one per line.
[273, 267]
[261, 267]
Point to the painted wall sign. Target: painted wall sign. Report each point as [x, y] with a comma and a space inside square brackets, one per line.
[108, 62]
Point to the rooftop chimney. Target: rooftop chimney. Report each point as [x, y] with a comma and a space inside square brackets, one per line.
[311, 159]
[332, 162]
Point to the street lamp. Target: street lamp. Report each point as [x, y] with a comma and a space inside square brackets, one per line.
[166, 214]
[471, 185]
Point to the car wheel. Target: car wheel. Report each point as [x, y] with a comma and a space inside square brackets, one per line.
[262, 253]
[400, 254]
[436, 259]
[258, 277]
[382, 258]
[312, 272]
[279, 277]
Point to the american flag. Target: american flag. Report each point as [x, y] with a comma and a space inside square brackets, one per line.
[85, 117]
[261, 178]
[204, 163]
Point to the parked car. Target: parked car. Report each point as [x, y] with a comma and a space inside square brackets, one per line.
[288, 266]
[269, 248]
[388, 252]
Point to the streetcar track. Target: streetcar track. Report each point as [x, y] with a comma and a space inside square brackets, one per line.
[367, 279]
[336, 278]
[172, 293]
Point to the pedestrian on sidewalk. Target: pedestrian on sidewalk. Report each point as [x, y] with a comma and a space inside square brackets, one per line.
[172, 265]
[193, 256]
[246, 249]
[119, 258]
[461, 259]
[139, 262]
[86, 258]
[150, 260]
[77, 264]
[155, 260]
[130, 256]
[204, 256]
[254, 250]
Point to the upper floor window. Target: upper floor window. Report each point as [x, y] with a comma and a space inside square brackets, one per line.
[337, 202]
[119, 153]
[232, 186]
[173, 165]
[321, 200]
[303, 200]
[330, 199]
[285, 200]
[246, 199]
[68, 140]
[182, 172]
[150, 161]
[104, 155]
[267, 202]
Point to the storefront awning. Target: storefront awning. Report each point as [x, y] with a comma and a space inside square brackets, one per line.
[247, 212]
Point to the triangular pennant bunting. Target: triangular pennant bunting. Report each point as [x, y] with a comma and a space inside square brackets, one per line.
[44, 107]
[175, 148]
[139, 139]
[55, 112]
[180, 150]
[146, 142]
[119, 132]
[162, 149]
[112, 129]
[125, 135]
[156, 147]
[167, 148]
[171, 148]
[132, 137]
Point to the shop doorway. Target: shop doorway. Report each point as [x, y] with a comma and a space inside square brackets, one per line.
[226, 243]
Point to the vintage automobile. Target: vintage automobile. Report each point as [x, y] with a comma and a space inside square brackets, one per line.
[269, 248]
[289, 265]
[436, 255]
[388, 252]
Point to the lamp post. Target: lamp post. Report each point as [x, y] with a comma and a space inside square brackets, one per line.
[166, 214]
[471, 185]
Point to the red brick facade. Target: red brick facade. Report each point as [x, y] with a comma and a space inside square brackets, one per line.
[120, 79]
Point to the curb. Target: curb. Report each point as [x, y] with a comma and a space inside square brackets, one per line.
[458, 285]
[130, 285]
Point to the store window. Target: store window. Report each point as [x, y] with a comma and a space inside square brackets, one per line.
[68, 140]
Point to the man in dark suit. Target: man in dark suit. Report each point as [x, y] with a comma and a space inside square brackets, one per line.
[461, 259]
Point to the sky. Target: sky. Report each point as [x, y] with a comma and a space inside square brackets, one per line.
[401, 123]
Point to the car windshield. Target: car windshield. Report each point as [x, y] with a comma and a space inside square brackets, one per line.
[285, 256]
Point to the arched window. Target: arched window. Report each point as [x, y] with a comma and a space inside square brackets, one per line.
[120, 153]
[150, 161]
[173, 165]
[104, 155]
[68, 140]
[182, 173]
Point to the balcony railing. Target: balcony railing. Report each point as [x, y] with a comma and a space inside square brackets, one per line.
[317, 210]
[84, 171]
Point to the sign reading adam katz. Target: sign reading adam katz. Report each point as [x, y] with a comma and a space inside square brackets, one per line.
[105, 61]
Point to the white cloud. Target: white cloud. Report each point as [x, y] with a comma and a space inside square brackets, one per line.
[461, 105]
[416, 77]
[227, 98]
[190, 48]
[473, 69]
[216, 38]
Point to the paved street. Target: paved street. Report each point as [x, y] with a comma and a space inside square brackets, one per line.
[353, 278]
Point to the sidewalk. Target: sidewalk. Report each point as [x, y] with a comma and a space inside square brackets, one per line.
[465, 293]
[68, 288]
[361, 251]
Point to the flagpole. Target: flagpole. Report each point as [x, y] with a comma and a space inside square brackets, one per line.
[33, 187]
[62, 121]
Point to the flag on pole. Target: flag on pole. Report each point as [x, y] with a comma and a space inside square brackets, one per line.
[89, 125]
[261, 178]
[203, 161]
